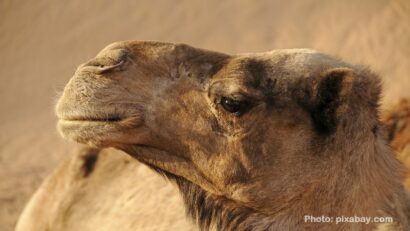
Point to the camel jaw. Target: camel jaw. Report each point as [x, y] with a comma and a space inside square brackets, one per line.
[169, 163]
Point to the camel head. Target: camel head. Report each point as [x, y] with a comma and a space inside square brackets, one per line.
[261, 130]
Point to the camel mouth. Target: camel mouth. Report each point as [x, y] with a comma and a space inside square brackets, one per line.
[111, 119]
[68, 113]
[103, 127]
[131, 120]
[98, 131]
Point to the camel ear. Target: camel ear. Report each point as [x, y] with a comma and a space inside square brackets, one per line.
[330, 99]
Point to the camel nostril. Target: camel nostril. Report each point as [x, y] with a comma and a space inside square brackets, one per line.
[103, 68]
[107, 61]
[99, 68]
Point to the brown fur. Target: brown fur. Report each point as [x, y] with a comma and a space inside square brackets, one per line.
[305, 143]
[397, 121]
[119, 194]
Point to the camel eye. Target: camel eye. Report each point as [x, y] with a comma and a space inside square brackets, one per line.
[234, 106]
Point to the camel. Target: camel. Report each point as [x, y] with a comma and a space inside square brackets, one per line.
[280, 140]
[104, 190]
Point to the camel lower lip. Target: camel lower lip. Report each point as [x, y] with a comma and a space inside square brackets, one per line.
[96, 132]
[100, 133]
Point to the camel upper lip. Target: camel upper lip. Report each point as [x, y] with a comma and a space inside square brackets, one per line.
[71, 113]
[103, 118]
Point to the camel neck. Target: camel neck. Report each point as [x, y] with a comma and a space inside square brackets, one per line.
[366, 185]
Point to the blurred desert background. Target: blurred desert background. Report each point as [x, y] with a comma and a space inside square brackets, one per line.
[42, 42]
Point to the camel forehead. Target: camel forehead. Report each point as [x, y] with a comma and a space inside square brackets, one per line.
[289, 59]
[281, 63]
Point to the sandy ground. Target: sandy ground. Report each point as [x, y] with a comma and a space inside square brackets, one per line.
[42, 42]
